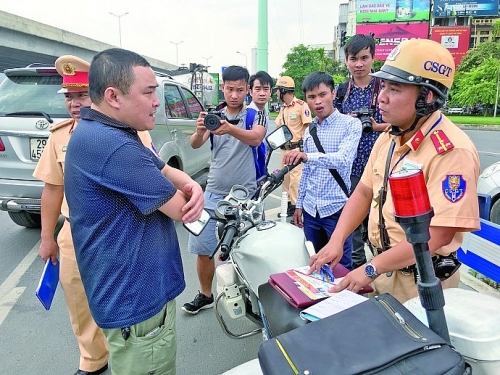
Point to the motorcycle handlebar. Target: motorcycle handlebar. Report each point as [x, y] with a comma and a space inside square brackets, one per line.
[225, 245]
[279, 175]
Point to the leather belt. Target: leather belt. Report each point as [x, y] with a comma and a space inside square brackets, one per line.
[290, 145]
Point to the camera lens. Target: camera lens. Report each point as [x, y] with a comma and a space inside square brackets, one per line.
[211, 122]
[367, 127]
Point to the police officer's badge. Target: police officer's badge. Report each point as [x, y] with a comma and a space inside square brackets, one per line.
[68, 69]
[454, 187]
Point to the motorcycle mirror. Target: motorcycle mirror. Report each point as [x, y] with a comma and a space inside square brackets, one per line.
[279, 137]
[196, 227]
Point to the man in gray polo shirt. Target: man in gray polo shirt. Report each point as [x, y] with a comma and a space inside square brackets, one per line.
[232, 163]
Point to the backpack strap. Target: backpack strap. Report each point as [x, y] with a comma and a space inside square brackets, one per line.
[259, 151]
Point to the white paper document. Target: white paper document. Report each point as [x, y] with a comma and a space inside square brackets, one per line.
[332, 305]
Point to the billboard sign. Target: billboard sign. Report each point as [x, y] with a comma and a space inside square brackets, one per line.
[391, 35]
[455, 39]
[461, 8]
[371, 11]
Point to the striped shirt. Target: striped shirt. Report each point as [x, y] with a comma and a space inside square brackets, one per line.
[318, 191]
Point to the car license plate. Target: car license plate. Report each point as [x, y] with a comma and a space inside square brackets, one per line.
[36, 147]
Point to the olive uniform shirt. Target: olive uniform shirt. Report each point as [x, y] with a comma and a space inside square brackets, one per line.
[450, 165]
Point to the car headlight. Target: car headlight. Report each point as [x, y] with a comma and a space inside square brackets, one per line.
[490, 170]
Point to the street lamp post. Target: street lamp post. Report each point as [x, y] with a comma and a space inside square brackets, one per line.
[496, 97]
[177, 50]
[246, 60]
[206, 59]
[119, 16]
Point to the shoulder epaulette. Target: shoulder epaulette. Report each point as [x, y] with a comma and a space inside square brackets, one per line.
[300, 101]
[441, 142]
[61, 124]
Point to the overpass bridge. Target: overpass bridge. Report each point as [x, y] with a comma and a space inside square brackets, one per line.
[23, 41]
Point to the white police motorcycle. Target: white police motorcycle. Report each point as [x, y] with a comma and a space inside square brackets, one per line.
[251, 247]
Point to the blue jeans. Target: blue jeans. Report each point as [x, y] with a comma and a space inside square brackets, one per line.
[319, 230]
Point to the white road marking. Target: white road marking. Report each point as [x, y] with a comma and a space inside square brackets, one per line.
[9, 291]
[489, 153]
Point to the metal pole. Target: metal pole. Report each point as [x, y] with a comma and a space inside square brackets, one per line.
[496, 96]
[119, 16]
[262, 36]
[206, 59]
[246, 60]
[177, 50]
[428, 285]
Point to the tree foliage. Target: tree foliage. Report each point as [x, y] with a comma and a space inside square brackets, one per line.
[496, 28]
[476, 56]
[302, 61]
[476, 85]
[476, 78]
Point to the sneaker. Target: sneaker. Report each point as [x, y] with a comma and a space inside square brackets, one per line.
[200, 302]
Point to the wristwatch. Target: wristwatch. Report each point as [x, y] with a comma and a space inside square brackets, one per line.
[370, 270]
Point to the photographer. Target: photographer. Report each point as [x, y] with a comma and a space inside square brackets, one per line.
[232, 163]
[358, 97]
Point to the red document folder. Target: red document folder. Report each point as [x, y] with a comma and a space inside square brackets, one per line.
[288, 289]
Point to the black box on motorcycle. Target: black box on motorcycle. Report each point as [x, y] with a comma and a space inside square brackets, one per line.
[378, 336]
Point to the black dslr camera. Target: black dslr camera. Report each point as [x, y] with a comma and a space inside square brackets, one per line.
[213, 118]
[364, 115]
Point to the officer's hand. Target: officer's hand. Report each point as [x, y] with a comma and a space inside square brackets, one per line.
[332, 253]
[48, 249]
[293, 157]
[353, 281]
[297, 218]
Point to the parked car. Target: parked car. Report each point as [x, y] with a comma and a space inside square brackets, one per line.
[456, 111]
[30, 104]
[489, 183]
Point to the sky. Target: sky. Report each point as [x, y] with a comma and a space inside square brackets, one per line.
[199, 31]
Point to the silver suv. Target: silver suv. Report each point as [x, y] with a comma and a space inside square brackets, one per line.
[29, 105]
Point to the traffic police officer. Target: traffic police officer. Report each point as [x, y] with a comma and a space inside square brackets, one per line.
[295, 114]
[417, 77]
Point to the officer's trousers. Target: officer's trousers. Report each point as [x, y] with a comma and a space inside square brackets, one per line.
[91, 340]
[292, 180]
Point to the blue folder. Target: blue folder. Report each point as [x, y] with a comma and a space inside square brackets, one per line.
[48, 283]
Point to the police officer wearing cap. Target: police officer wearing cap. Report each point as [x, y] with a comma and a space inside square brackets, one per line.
[50, 169]
[416, 79]
[295, 114]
